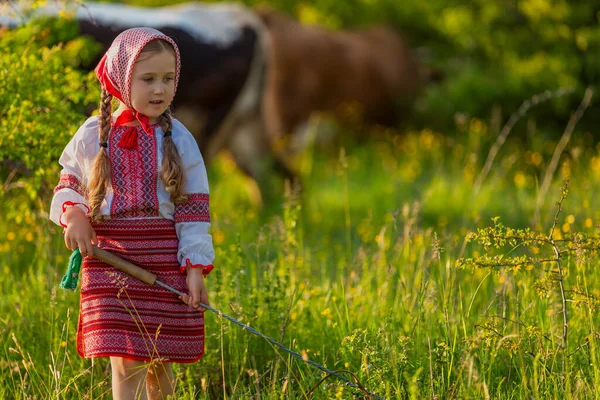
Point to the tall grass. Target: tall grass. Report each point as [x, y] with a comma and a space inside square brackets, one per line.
[359, 273]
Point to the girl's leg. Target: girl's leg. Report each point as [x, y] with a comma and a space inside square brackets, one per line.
[159, 381]
[128, 377]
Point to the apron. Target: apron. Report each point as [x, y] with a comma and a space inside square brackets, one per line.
[124, 317]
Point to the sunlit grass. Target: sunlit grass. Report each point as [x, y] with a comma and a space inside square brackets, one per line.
[358, 274]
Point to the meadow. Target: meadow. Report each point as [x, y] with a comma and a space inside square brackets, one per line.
[453, 258]
[360, 272]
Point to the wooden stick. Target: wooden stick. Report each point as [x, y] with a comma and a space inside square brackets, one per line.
[125, 266]
[149, 278]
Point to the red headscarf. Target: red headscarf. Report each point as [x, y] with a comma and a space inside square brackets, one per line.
[115, 70]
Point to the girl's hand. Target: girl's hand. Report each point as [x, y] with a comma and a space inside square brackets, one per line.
[197, 289]
[79, 232]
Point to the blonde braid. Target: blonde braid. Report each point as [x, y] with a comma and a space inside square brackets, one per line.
[101, 170]
[172, 173]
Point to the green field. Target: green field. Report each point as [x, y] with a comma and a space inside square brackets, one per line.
[402, 261]
[358, 274]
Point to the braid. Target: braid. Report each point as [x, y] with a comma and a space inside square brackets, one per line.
[172, 173]
[101, 169]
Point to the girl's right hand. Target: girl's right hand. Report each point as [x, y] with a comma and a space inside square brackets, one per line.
[79, 232]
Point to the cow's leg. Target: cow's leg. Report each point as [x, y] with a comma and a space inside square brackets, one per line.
[271, 112]
[252, 151]
[216, 141]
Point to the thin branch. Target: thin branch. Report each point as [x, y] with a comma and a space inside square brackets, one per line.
[545, 336]
[561, 275]
[527, 104]
[581, 346]
[479, 264]
[360, 385]
[560, 148]
[489, 329]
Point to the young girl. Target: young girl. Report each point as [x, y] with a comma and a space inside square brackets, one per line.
[134, 183]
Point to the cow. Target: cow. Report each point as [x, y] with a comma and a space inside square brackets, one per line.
[223, 52]
[311, 69]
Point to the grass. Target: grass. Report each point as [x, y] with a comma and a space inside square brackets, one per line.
[359, 274]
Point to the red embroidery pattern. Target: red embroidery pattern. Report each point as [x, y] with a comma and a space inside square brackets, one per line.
[134, 174]
[69, 181]
[122, 316]
[122, 227]
[195, 209]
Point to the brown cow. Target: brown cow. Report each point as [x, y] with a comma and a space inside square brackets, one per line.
[313, 69]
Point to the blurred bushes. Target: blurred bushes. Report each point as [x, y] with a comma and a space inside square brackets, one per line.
[42, 102]
[490, 53]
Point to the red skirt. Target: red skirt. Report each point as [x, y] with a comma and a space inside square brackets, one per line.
[124, 317]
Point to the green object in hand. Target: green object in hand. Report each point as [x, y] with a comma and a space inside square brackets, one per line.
[69, 279]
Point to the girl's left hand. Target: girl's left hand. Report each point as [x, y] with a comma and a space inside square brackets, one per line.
[197, 289]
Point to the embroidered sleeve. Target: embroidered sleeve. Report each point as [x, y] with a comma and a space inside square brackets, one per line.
[70, 181]
[195, 209]
[192, 218]
[70, 190]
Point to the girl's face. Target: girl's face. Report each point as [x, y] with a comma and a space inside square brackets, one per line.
[153, 84]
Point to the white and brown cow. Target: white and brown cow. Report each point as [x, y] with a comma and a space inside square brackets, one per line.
[313, 69]
[223, 52]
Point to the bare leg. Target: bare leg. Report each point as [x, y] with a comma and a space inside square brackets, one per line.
[128, 377]
[159, 381]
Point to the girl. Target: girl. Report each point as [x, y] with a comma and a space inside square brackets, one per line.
[134, 183]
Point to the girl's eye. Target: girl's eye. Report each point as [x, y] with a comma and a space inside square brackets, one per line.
[169, 78]
[148, 80]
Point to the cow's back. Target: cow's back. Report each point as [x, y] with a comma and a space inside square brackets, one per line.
[314, 69]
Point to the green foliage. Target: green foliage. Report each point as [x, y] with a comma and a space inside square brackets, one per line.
[490, 53]
[378, 296]
[360, 272]
[42, 98]
[511, 336]
[42, 102]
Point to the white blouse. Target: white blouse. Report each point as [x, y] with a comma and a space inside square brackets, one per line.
[136, 190]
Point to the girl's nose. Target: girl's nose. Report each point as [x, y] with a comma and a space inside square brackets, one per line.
[159, 89]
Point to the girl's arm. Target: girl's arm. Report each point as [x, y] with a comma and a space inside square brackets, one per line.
[70, 191]
[69, 205]
[192, 219]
